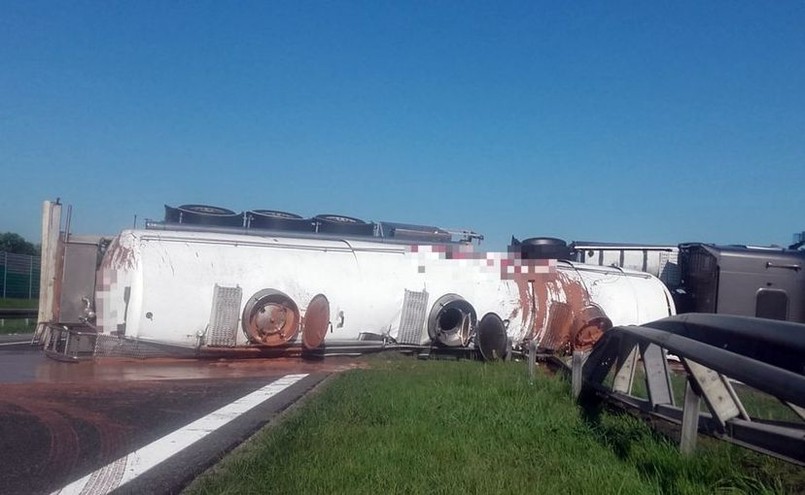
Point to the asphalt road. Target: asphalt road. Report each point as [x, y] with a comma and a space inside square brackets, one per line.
[115, 424]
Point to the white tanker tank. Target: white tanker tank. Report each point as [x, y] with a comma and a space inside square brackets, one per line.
[212, 289]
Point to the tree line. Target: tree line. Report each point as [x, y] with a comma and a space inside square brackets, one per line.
[16, 244]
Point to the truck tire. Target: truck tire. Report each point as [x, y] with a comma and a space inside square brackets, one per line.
[344, 225]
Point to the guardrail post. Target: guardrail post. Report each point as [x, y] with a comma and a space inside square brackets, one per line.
[690, 420]
[532, 360]
[576, 368]
[800, 411]
[658, 380]
[624, 374]
[720, 399]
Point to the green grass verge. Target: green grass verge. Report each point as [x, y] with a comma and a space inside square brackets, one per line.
[406, 426]
[8, 327]
[758, 405]
[18, 303]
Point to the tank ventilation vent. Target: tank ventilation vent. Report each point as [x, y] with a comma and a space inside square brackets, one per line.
[412, 319]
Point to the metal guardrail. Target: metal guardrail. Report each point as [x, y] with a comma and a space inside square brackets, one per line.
[715, 351]
[11, 313]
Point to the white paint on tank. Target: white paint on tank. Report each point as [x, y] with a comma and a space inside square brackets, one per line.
[158, 285]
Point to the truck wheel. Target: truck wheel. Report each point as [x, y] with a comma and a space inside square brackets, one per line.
[341, 224]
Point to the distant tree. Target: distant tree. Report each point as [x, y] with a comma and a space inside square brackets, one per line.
[14, 243]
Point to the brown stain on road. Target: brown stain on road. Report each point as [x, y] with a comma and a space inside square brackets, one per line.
[58, 420]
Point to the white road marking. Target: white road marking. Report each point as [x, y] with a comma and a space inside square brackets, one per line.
[128, 467]
[18, 342]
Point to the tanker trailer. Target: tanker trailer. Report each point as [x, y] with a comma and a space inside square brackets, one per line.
[180, 289]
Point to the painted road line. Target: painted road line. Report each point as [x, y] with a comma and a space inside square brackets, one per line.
[18, 342]
[128, 467]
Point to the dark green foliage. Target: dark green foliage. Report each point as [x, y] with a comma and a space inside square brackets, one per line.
[16, 244]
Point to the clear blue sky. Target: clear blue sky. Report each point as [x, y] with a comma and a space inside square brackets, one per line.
[657, 122]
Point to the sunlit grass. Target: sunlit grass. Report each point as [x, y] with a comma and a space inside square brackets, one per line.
[12, 326]
[18, 303]
[17, 325]
[758, 405]
[408, 426]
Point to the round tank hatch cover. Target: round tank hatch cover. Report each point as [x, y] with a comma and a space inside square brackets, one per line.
[317, 319]
[492, 339]
[270, 318]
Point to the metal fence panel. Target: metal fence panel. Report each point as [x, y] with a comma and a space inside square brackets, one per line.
[19, 275]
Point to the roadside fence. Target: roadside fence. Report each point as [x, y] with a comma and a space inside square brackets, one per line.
[19, 275]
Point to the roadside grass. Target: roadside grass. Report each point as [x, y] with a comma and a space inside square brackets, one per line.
[758, 405]
[18, 303]
[408, 426]
[764, 406]
[10, 326]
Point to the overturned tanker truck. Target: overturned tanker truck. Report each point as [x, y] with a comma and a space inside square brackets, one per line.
[209, 282]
